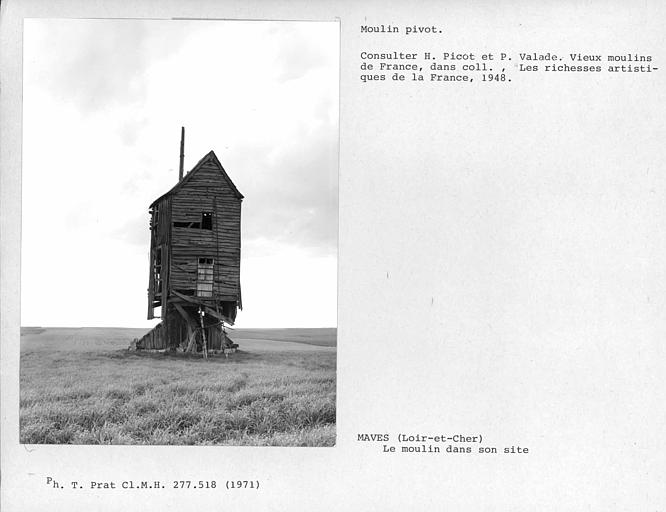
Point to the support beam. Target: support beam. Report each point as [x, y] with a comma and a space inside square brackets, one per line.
[203, 334]
[191, 328]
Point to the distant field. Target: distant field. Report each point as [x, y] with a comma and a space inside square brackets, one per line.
[326, 337]
[96, 338]
[81, 386]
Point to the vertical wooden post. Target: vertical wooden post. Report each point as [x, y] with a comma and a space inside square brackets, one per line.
[203, 334]
[165, 323]
[182, 152]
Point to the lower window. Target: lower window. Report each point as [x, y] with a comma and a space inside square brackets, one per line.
[205, 277]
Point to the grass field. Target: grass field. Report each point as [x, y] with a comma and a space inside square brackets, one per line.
[81, 386]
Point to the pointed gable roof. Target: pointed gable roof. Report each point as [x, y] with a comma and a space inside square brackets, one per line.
[209, 157]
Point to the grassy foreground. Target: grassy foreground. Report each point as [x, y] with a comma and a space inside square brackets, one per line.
[261, 397]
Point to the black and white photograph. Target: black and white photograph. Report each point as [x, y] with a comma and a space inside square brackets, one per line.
[332, 256]
[179, 232]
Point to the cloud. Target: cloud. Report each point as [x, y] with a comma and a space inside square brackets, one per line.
[103, 104]
[130, 129]
[298, 53]
[135, 231]
[96, 64]
[291, 198]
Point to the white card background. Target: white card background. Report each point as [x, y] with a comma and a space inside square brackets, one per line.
[501, 272]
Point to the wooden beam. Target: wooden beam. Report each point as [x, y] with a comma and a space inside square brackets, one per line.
[214, 313]
[219, 315]
[203, 335]
[185, 297]
[183, 313]
[208, 309]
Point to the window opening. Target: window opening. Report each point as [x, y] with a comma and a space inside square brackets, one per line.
[205, 223]
[157, 271]
[207, 220]
[205, 277]
[195, 225]
[154, 217]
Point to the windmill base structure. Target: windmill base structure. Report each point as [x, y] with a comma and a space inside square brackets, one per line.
[194, 271]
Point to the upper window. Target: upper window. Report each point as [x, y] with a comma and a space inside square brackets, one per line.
[206, 220]
[205, 223]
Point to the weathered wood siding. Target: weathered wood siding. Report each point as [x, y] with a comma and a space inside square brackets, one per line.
[206, 191]
[155, 339]
[160, 234]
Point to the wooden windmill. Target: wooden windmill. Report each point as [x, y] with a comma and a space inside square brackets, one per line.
[195, 244]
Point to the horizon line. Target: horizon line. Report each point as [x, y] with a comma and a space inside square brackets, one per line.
[144, 327]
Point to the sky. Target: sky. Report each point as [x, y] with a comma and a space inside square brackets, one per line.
[103, 104]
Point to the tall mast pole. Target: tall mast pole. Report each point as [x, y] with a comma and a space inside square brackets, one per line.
[182, 152]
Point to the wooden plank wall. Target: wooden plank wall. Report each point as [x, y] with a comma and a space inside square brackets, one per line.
[206, 191]
[155, 339]
[159, 238]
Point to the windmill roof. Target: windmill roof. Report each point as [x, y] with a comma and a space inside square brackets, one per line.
[210, 156]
